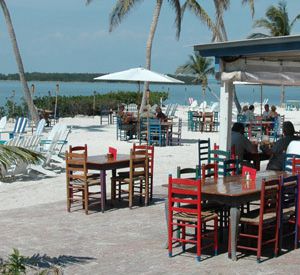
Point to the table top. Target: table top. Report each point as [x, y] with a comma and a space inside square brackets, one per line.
[102, 159]
[101, 162]
[237, 185]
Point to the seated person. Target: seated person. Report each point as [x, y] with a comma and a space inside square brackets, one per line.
[250, 113]
[273, 114]
[147, 113]
[278, 150]
[244, 110]
[127, 121]
[125, 117]
[266, 113]
[160, 115]
[240, 142]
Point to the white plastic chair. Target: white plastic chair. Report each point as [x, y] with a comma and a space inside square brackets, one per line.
[294, 147]
[3, 122]
[40, 127]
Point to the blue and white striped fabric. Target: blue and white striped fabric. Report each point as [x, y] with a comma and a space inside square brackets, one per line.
[20, 126]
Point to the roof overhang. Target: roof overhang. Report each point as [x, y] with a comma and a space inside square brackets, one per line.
[274, 60]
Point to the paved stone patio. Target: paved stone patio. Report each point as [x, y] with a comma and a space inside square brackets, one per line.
[116, 242]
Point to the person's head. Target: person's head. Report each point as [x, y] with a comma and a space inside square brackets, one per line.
[122, 108]
[245, 108]
[267, 107]
[273, 108]
[251, 107]
[158, 110]
[238, 127]
[288, 128]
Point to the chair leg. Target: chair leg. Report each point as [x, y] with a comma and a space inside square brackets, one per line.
[229, 240]
[130, 194]
[147, 191]
[86, 200]
[216, 236]
[183, 235]
[69, 198]
[198, 236]
[259, 244]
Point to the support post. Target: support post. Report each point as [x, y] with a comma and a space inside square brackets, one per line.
[226, 95]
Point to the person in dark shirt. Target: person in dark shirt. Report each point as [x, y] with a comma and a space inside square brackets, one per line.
[278, 150]
[160, 115]
[240, 142]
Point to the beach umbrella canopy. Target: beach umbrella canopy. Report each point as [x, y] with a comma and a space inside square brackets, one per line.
[138, 75]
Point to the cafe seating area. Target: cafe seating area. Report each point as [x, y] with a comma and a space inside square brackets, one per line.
[149, 130]
[203, 121]
[224, 186]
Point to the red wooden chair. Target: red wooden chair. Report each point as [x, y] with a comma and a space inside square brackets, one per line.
[296, 165]
[184, 211]
[263, 219]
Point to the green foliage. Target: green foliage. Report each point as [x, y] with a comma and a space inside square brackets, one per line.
[18, 264]
[66, 77]
[84, 105]
[15, 265]
[10, 155]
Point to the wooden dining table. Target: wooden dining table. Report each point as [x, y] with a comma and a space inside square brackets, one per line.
[234, 191]
[102, 163]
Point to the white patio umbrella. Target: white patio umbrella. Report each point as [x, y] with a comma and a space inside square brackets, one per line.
[138, 75]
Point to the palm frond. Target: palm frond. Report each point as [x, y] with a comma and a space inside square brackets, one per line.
[12, 155]
[294, 20]
[176, 6]
[251, 5]
[120, 10]
[199, 12]
[257, 35]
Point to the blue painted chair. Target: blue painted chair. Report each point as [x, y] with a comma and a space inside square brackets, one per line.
[155, 134]
[121, 130]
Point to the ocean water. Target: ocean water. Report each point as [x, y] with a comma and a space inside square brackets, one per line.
[177, 93]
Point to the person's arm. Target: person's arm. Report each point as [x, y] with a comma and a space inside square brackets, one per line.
[249, 147]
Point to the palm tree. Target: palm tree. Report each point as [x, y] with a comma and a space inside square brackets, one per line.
[11, 32]
[219, 33]
[277, 22]
[199, 68]
[12, 155]
[122, 9]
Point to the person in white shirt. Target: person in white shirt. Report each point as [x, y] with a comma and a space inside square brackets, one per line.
[266, 113]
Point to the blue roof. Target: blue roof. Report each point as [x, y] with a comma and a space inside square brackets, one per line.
[282, 46]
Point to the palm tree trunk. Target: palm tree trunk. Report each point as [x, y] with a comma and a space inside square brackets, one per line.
[27, 94]
[149, 48]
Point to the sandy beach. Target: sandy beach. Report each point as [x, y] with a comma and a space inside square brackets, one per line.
[37, 189]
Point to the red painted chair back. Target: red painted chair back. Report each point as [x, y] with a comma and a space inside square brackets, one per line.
[209, 170]
[296, 165]
[113, 151]
[250, 170]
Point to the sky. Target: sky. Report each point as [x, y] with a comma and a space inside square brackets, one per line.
[69, 36]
